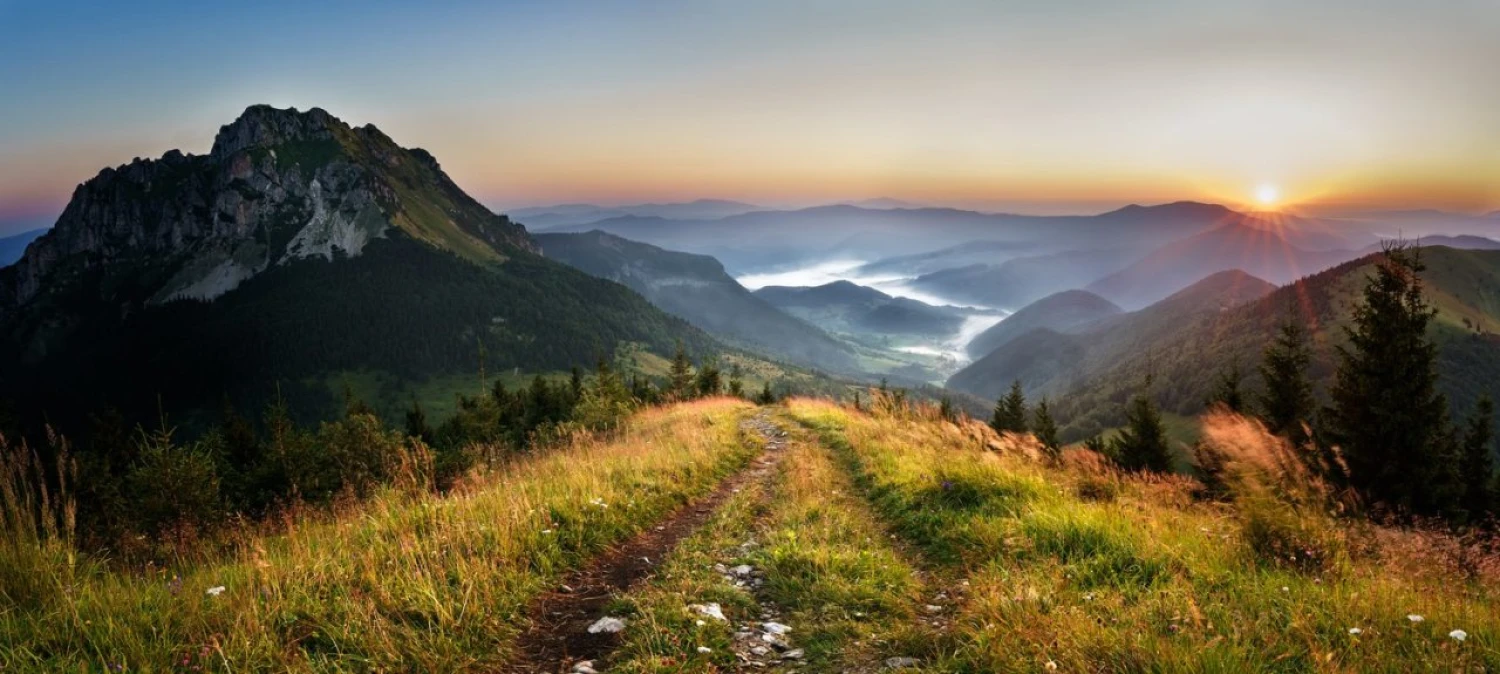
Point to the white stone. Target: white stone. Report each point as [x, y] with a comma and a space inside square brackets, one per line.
[607, 625]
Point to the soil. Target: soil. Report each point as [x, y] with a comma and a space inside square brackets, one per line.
[558, 635]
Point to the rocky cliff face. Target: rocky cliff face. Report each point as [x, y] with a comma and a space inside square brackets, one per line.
[278, 186]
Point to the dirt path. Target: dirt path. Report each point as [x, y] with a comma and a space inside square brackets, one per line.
[558, 638]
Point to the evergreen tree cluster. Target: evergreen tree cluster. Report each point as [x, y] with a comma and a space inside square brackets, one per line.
[134, 481]
[1387, 428]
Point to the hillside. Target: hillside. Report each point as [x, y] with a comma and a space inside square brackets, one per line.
[1066, 311]
[1062, 364]
[1265, 253]
[1020, 281]
[572, 215]
[299, 248]
[716, 536]
[844, 307]
[1464, 285]
[953, 257]
[696, 289]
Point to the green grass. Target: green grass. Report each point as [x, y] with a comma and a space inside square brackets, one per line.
[829, 568]
[868, 518]
[1143, 578]
[402, 582]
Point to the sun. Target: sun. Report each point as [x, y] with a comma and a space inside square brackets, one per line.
[1267, 195]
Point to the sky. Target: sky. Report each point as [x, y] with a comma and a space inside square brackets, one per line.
[1027, 105]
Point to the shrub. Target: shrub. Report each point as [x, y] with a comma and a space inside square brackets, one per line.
[172, 484]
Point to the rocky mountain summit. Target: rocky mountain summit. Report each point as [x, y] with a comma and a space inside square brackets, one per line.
[279, 185]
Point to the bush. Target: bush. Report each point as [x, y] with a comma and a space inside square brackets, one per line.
[172, 485]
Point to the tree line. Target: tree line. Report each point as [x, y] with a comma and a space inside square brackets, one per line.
[131, 482]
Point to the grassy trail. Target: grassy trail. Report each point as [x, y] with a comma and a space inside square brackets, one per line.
[1077, 569]
[402, 583]
[801, 550]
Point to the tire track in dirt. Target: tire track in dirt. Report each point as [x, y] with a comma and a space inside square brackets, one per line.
[558, 637]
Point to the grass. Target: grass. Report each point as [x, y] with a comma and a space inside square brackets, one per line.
[1089, 570]
[1038, 565]
[829, 568]
[400, 583]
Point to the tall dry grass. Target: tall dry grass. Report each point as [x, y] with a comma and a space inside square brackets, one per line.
[402, 582]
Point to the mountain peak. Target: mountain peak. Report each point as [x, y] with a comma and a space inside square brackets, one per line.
[266, 126]
[280, 185]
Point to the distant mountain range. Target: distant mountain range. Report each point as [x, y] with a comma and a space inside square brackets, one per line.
[1262, 252]
[1039, 363]
[845, 307]
[11, 247]
[1185, 341]
[564, 215]
[696, 288]
[1064, 312]
[299, 250]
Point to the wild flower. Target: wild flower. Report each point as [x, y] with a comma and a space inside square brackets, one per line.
[1414, 617]
[1458, 635]
[1356, 631]
[215, 591]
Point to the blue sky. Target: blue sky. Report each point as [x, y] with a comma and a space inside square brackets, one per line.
[1032, 105]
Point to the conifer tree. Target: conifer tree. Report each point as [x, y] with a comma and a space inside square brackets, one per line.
[765, 397]
[1045, 428]
[946, 409]
[1142, 443]
[416, 423]
[1287, 402]
[1010, 411]
[1478, 466]
[736, 381]
[575, 381]
[1227, 390]
[681, 375]
[1386, 414]
[708, 382]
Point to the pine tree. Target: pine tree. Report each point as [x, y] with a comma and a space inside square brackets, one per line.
[1287, 402]
[681, 375]
[736, 381]
[765, 397]
[1142, 444]
[1010, 411]
[1478, 466]
[946, 409]
[416, 423]
[1386, 414]
[575, 381]
[1227, 391]
[708, 381]
[1045, 428]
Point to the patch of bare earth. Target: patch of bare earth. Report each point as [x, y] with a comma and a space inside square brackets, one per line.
[559, 639]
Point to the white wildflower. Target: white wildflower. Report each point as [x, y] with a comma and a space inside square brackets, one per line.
[215, 591]
[1356, 631]
[1414, 617]
[1458, 635]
